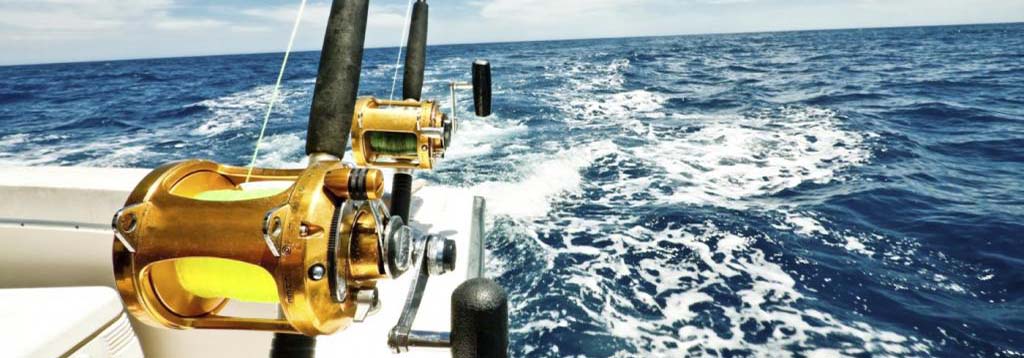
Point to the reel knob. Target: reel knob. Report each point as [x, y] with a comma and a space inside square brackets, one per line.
[482, 87]
[479, 320]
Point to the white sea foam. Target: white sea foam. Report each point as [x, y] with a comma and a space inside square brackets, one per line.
[476, 136]
[804, 224]
[722, 160]
[245, 108]
[118, 151]
[596, 108]
[11, 142]
[544, 177]
[719, 269]
[614, 108]
[854, 244]
[282, 151]
[115, 155]
[586, 77]
[730, 159]
[37, 156]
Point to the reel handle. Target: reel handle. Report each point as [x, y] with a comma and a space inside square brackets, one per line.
[482, 87]
[479, 320]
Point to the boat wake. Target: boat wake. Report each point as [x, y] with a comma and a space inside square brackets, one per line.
[728, 195]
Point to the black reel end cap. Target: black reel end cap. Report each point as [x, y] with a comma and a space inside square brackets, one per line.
[479, 320]
[449, 255]
[482, 87]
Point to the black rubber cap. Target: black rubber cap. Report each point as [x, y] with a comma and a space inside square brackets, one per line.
[479, 320]
[292, 346]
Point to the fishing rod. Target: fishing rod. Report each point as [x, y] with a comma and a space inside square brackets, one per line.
[195, 235]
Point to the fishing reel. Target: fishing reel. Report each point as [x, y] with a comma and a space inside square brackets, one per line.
[195, 235]
[413, 134]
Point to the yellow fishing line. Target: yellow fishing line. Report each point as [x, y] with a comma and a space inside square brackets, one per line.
[209, 277]
[238, 195]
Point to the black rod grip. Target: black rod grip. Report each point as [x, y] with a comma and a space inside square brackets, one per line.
[416, 57]
[337, 81]
[479, 320]
[287, 345]
[482, 87]
[401, 196]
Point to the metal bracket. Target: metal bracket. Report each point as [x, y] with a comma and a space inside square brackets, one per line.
[273, 229]
[453, 86]
[367, 303]
[130, 224]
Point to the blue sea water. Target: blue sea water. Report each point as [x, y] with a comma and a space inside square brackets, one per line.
[807, 194]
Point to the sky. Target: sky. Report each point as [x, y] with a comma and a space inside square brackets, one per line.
[42, 31]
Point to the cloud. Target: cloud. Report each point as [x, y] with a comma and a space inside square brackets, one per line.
[34, 31]
[547, 10]
[69, 19]
[316, 14]
[78, 15]
[727, 1]
[181, 24]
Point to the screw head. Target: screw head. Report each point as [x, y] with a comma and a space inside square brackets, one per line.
[317, 272]
[276, 228]
[128, 223]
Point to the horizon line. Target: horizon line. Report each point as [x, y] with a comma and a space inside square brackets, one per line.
[516, 42]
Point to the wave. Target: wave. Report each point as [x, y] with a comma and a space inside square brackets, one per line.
[609, 109]
[1004, 150]
[245, 109]
[281, 151]
[544, 179]
[710, 291]
[727, 161]
[476, 137]
[13, 97]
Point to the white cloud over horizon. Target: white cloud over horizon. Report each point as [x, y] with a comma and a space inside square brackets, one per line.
[36, 31]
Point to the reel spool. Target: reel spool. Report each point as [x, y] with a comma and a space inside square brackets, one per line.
[192, 237]
[399, 134]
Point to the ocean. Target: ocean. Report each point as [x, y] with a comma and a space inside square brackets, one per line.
[806, 194]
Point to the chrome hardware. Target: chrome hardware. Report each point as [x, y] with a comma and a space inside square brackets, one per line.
[367, 303]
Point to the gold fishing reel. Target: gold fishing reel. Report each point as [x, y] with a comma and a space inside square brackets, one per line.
[399, 134]
[194, 235]
[413, 134]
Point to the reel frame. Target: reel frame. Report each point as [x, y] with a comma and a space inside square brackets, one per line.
[163, 222]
